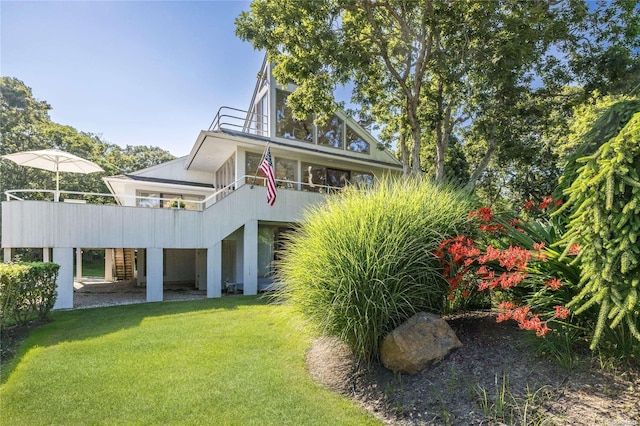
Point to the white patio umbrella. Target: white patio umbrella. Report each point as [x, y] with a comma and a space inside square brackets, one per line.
[54, 160]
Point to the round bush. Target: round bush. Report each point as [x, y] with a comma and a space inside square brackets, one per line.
[361, 264]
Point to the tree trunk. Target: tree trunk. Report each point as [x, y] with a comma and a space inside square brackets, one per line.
[470, 186]
[441, 150]
[412, 109]
[406, 169]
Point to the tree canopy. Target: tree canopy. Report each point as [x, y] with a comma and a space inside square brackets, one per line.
[492, 76]
[25, 125]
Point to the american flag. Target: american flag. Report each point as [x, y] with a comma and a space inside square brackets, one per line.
[267, 169]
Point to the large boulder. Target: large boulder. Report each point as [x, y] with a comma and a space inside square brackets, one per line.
[420, 341]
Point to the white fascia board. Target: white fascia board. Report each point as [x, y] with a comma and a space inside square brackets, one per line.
[158, 186]
[196, 147]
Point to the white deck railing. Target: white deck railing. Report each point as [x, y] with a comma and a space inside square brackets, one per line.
[238, 120]
[181, 204]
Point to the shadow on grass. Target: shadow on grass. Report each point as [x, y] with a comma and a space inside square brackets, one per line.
[95, 322]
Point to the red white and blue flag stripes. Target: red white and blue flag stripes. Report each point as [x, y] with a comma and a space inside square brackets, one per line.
[267, 169]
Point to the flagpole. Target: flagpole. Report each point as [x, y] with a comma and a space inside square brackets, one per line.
[264, 153]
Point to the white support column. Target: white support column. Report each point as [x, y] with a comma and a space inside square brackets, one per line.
[214, 270]
[78, 264]
[250, 270]
[108, 264]
[201, 269]
[154, 275]
[63, 256]
[141, 267]
[7, 254]
[240, 166]
[46, 254]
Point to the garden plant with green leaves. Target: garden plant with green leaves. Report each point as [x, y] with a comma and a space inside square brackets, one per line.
[27, 291]
[605, 223]
[363, 263]
[578, 267]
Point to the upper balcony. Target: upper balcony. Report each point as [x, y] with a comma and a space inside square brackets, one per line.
[174, 203]
[99, 221]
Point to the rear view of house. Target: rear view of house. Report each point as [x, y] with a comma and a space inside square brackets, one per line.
[203, 219]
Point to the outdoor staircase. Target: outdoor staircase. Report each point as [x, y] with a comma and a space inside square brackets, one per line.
[124, 259]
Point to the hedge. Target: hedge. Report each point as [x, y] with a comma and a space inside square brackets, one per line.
[27, 291]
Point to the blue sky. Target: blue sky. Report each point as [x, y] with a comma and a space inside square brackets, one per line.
[136, 72]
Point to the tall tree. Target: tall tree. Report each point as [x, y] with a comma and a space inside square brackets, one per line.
[604, 56]
[25, 125]
[21, 117]
[420, 69]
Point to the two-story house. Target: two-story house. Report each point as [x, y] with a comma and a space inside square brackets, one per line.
[203, 219]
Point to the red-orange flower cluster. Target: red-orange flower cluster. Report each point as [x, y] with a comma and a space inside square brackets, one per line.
[574, 249]
[554, 284]
[523, 316]
[546, 202]
[562, 312]
[467, 266]
[485, 216]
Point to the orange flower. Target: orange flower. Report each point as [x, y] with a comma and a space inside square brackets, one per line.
[506, 305]
[554, 284]
[562, 312]
[545, 202]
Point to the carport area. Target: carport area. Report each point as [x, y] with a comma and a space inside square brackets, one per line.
[94, 292]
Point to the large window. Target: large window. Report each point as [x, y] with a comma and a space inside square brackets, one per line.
[165, 200]
[266, 240]
[259, 122]
[319, 178]
[331, 133]
[355, 142]
[338, 178]
[287, 126]
[285, 171]
[362, 180]
[252, 168]
[315, 177]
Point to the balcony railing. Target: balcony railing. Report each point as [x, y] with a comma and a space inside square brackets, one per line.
[238, 120]
[77, 197]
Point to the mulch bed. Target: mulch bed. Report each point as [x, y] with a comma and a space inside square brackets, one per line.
[493, 379]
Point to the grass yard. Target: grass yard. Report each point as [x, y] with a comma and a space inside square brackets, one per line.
[235, 360]
[92, 269]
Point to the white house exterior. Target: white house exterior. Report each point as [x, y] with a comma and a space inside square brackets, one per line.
[203, 219]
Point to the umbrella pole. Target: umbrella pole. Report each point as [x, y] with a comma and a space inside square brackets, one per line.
[56, 196]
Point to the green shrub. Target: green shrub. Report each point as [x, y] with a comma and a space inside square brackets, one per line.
[27, 291]
[605, 223]
[361, 264]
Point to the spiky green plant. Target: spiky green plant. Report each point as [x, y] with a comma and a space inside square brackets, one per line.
[605, 222]
[593, 126]
[362, 263]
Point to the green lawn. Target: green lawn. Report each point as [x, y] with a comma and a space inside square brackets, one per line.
[92, 269]
[235, 360]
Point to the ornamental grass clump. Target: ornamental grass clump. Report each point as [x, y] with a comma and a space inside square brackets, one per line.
[361, 264]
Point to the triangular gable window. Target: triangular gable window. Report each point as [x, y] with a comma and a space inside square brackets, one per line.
[330, 133]
[334, 133]
[355, 142]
